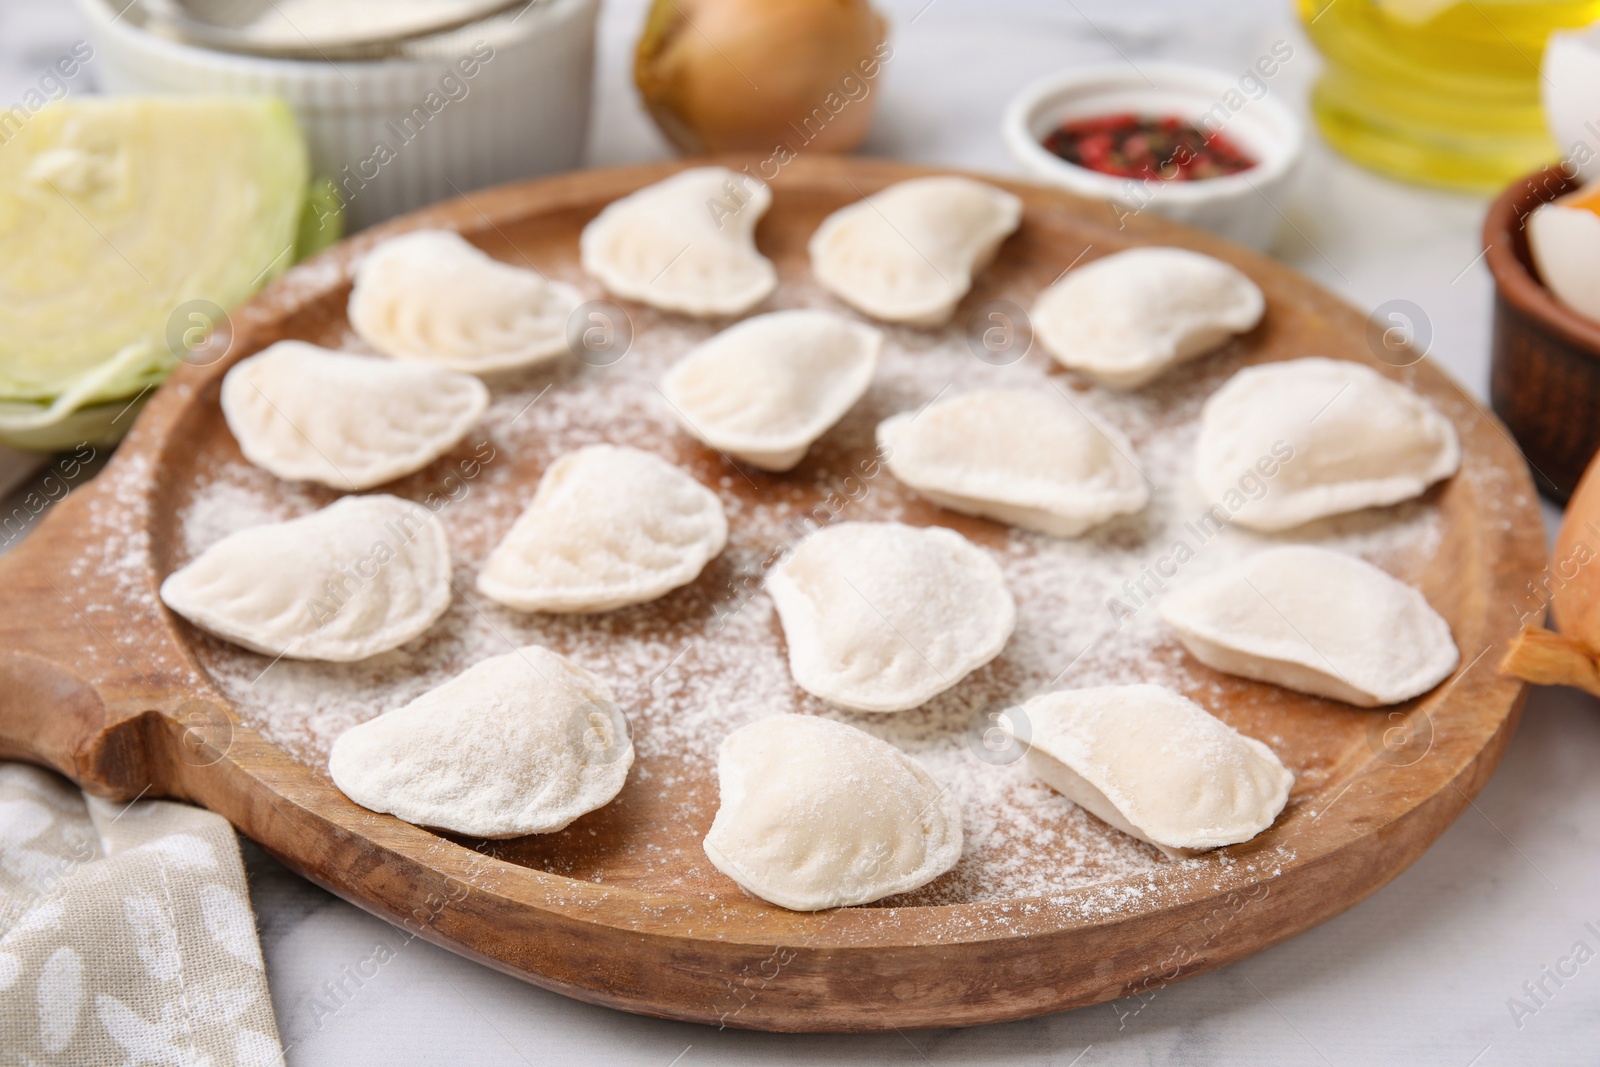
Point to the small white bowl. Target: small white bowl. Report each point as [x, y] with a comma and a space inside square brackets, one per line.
[1240, 207]
[492, 102]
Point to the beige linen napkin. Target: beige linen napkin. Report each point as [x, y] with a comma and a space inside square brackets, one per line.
[126, 935]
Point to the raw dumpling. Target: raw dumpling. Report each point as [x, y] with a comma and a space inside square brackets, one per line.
[363, 575]
[349, 422]
[608, 526]
[908, 253]
[1016, 456]
[1316, 621]
[685, 244]
[433, 297]
[1357, 440]
[816, 814]
[881, 616]
[522, 743]
[765, 389]
[1124, 319]
[1153, 764]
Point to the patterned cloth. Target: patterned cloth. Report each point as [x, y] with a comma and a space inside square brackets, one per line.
[126, 936]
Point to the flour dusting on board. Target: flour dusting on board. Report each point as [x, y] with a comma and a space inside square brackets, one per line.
[711, 657]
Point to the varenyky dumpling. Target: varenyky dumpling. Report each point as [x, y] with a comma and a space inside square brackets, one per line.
[608, 526]
[363, 575]
[432, 296]
[1126, 318]
[349, 422]
[908, 253]
[522, 743]
[880, 616]
[815, 814]
[1153, 764]
[1353, 438]
[1316, 621]
[685, 244]
[1018, 456]
[763, 390]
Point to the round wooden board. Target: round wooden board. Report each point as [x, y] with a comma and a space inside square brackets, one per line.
[100, 682]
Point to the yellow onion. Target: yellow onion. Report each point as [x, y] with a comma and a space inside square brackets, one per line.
[750, 75]
[1571, 655]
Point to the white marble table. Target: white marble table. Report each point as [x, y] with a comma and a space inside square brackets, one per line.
[1421, 973]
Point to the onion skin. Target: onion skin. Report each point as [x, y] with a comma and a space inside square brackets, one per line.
[1570, 656]
[1576, 604]
[743, 75]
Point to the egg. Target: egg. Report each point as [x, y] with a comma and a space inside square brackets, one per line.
[1564, 238]
[1570, 92]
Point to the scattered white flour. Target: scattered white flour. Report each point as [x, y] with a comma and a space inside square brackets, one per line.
[709, 658]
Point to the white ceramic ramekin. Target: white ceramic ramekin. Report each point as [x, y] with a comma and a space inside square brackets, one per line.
[499, 100]
[1241, 207]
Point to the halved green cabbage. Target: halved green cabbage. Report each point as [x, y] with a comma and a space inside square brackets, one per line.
[114, 213]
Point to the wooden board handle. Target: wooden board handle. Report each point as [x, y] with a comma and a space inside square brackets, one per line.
[103, 713]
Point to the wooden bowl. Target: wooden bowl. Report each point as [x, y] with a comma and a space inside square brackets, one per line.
[1544, 379]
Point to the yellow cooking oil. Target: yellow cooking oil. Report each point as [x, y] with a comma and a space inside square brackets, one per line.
[1436, 91]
